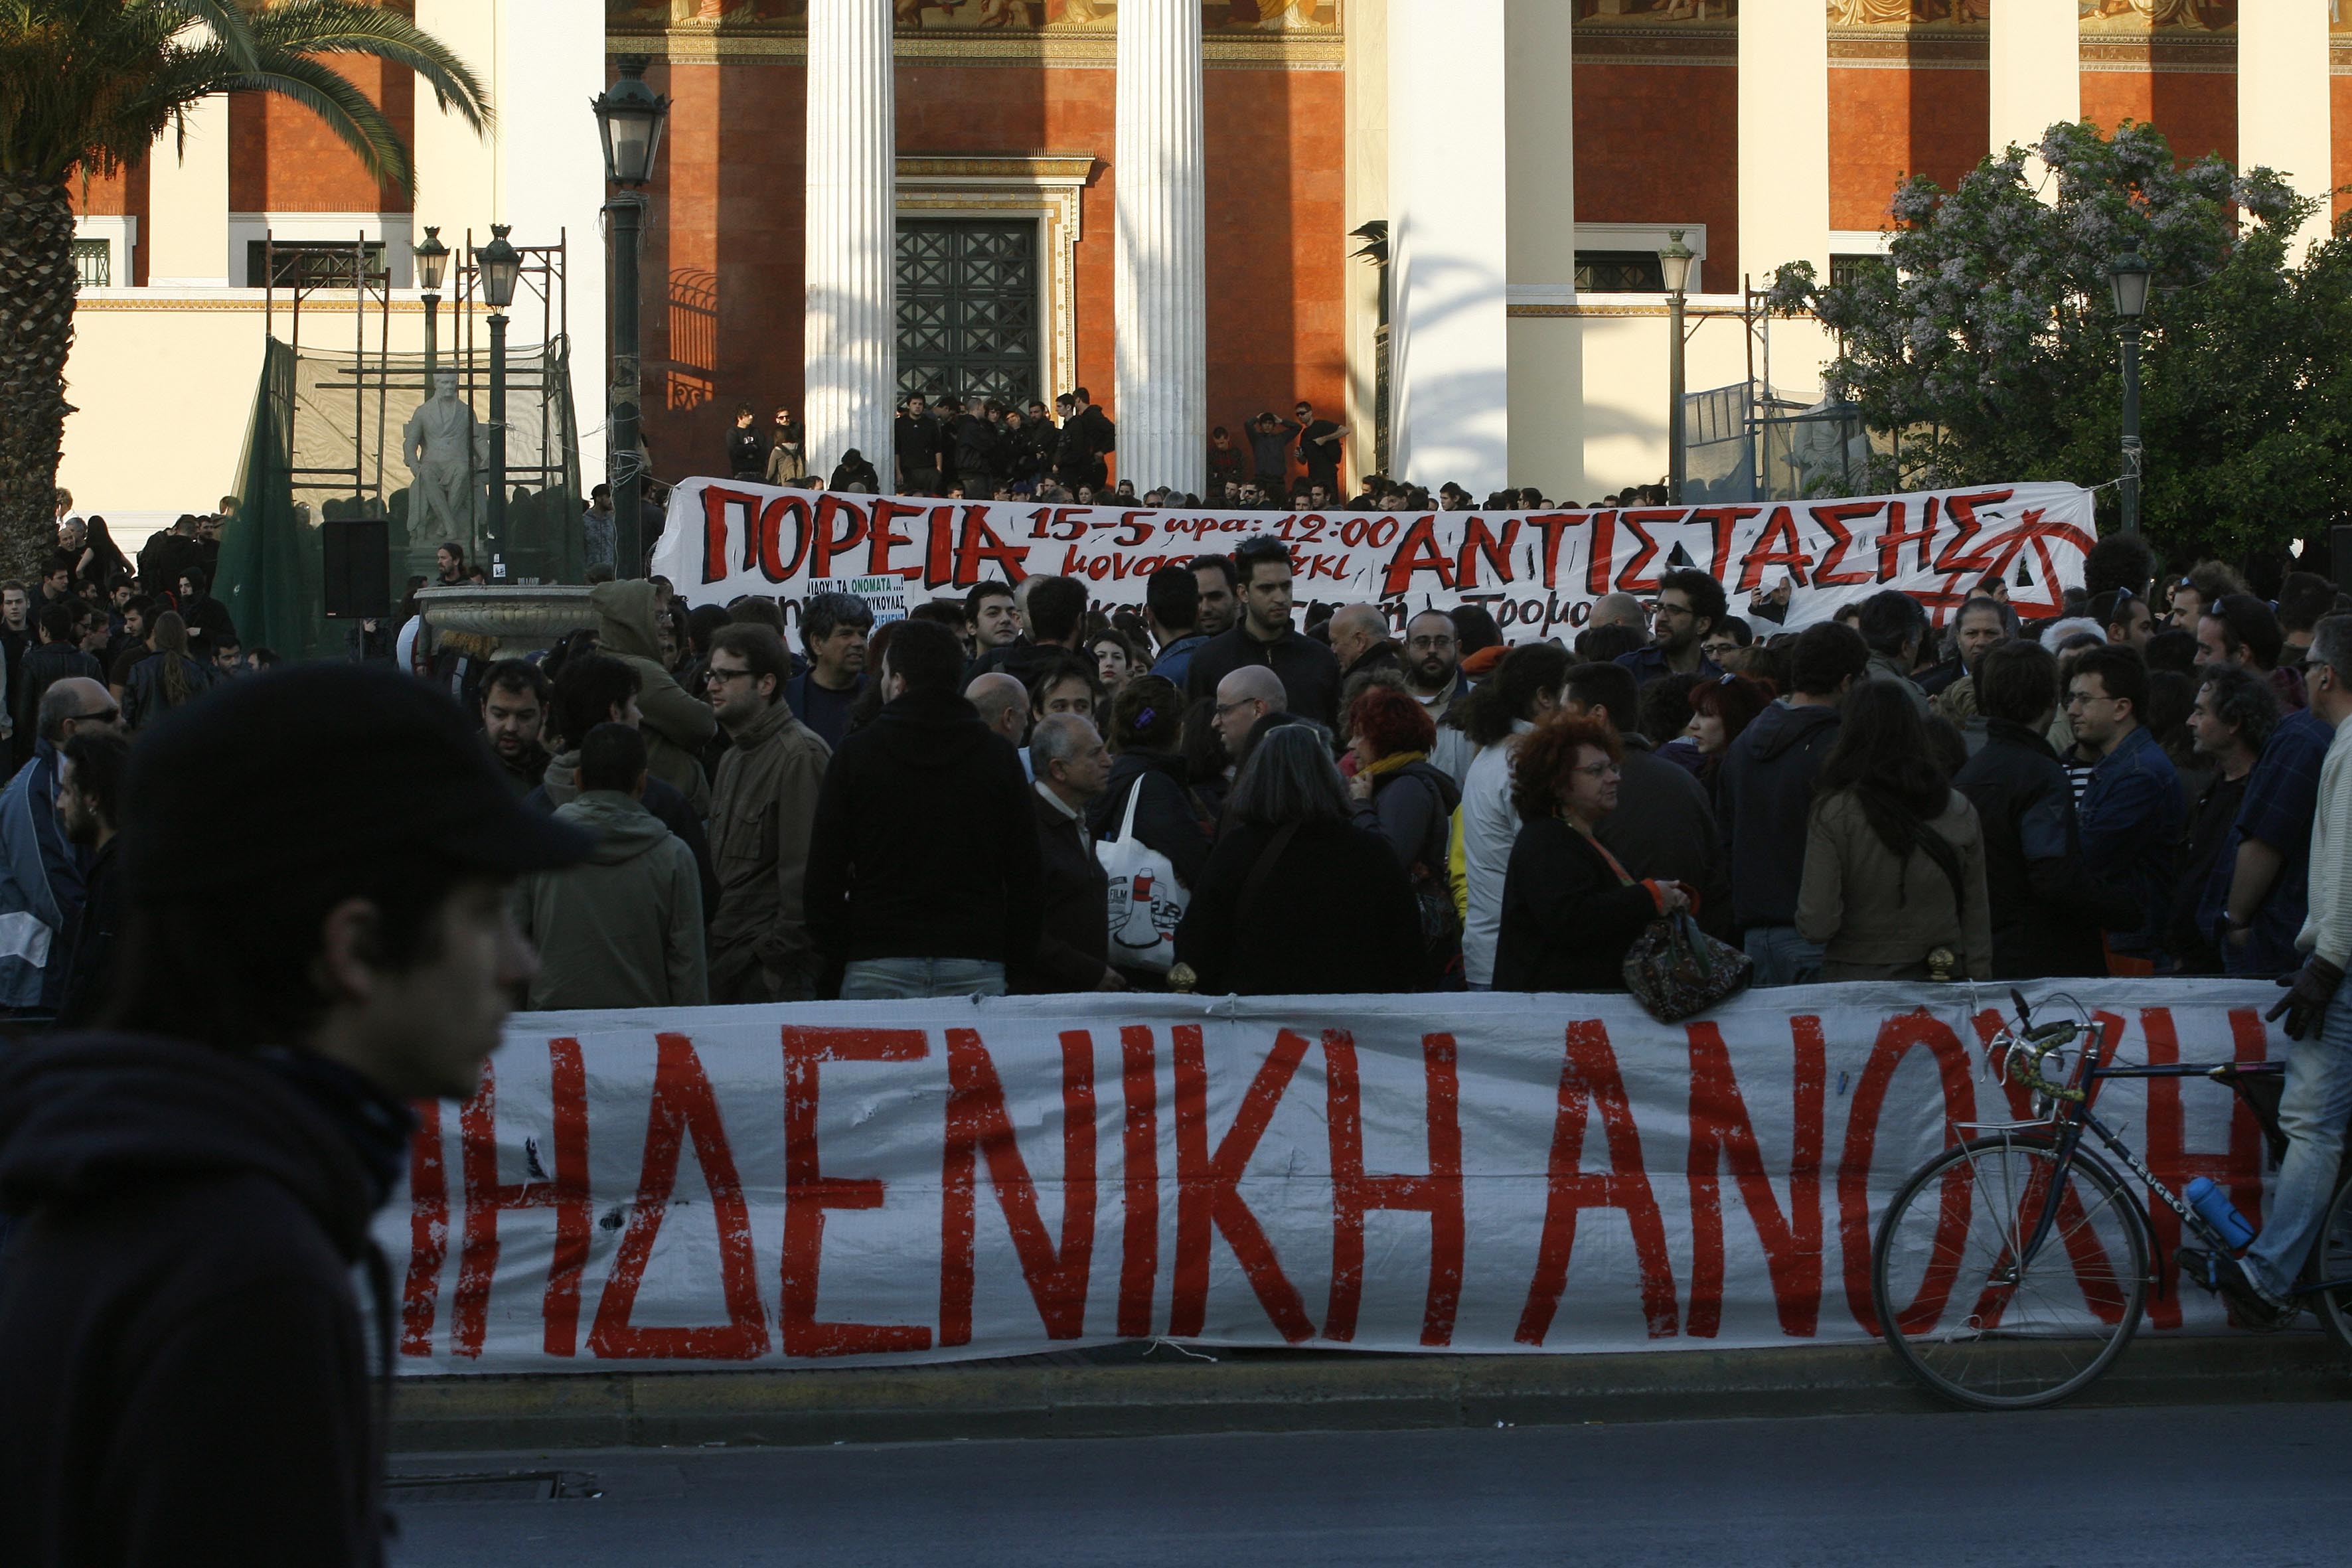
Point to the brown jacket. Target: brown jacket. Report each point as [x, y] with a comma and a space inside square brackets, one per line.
[761, 814]
[1878, 917]
[678, 723]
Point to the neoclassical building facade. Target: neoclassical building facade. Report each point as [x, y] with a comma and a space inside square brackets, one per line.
[1436, 220]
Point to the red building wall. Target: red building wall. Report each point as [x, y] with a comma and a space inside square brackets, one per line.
[1887, 125]
[1660, 143]
[282, 157]
[2197, 110]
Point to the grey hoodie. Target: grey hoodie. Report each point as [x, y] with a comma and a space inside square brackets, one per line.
[624, 929]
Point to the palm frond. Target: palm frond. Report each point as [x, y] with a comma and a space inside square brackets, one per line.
[350, 27]
[228, 19]
[337, 100]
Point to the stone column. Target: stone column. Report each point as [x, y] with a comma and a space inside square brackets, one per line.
[2282, 102]
[187, 204]
[2036, 72]
[1784, 138]
[853, 313]
[1161, 249]
[1449, 245]
[1547, 345]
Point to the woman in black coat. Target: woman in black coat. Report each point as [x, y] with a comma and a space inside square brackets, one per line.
[1570, 911]
[1295, 898]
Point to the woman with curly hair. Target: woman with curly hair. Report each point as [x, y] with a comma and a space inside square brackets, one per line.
[1570, 910]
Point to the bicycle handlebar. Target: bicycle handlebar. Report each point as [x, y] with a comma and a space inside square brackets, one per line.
[2023, 1059]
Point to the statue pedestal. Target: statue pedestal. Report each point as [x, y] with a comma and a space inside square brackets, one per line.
[523, 620]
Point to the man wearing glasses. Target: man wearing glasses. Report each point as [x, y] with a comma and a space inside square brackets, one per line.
[2132, 811]
[761, 810]
[1691, 605]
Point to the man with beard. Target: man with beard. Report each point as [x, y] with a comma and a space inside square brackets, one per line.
[514, 712]
[1690, 605]
[1432, 675]
[2231, 722]
[1214, 573]
[89, 786]
[834, 629]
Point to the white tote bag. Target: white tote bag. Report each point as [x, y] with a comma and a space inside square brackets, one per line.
[1146, 899]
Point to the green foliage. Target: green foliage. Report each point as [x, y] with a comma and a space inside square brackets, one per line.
[93, 83]
[1990, 346]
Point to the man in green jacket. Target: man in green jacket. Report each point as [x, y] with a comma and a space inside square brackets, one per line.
[623, 929]
[761, 815]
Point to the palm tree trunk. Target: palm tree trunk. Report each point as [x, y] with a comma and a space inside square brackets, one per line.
[37, 284]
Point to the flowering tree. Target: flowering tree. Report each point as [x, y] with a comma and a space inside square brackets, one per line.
[1986, 345]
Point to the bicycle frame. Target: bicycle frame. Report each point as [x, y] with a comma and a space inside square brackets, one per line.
[2073, 1116]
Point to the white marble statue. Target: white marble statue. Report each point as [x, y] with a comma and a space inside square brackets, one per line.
[441, 444]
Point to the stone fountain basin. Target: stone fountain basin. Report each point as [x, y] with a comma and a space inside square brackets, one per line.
[522, 619]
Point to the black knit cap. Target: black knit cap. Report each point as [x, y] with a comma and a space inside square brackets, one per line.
[317, 765]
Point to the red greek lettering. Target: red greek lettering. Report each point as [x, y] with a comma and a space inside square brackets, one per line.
[1478, 541]
[683, 1108]
[486, 1198]
[1897, 1038]
[1837, 520]
[1438, 1195]
[823, 544]
[1208, 1189]
[1891, 542]
[884, 536]
[1139, 1268]
[1416, 553]
[767, 546]
[1721, 1130]
[978, 1124]
[809, 1193]
[1588, 1077]
[428, 1231]
[1776, 546]
[2239, 1168]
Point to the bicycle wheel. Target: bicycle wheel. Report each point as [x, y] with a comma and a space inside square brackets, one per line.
[2331, 1258]
[1960, 1313]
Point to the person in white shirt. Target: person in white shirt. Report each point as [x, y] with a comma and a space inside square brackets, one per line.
[1524, 687]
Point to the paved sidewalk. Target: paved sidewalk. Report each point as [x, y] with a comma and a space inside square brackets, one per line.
[1141, 1390]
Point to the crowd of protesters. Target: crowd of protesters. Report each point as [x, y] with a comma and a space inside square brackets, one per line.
[1344, 804]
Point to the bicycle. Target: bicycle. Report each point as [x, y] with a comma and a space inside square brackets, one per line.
[2010, 1271]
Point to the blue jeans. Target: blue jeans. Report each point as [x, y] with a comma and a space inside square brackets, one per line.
[909, 979]
[1782, 957]
[2312, 1113]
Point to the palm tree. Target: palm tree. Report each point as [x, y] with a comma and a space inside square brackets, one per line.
[89, 84]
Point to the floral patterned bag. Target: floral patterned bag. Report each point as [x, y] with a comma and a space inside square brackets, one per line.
[1676, 971]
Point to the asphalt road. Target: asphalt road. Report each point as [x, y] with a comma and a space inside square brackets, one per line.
[2218, 1486]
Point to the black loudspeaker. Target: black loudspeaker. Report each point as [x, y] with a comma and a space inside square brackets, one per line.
[358, 553]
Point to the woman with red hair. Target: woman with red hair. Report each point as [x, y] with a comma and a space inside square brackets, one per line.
[1570, 911]
[1398, 793]
[1721, 709]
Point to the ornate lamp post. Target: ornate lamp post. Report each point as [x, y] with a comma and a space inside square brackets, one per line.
[629, 118]
[2128, 276]
[499, 266]
[432, 263]
[1675, 261]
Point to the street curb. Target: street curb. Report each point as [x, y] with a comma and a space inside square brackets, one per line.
[1130, 1391]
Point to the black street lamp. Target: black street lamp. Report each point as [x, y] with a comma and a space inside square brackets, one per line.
[432, 263]
[629, 119]
[499, 266]
[1675, 261]
[2128, 275]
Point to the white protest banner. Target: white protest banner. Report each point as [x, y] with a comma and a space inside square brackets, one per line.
[1539, 572]
[836, 1183]
[886, 596]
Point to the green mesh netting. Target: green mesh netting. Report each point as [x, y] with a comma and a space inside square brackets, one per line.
[324, 443]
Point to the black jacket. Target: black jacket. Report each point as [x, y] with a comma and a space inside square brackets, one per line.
[1170, 816]
[1764, 796]
[2047, 909]
[924, 846]
[1085, 437]
[1663, 827]
[93, 936]
[44, 668]
[1309, 670]
[166, 557]
[183, 1375]
[976, 441]
[747, 455]
[208, 625]
[1333, 914]
[1567, 919]
[1074, 942]
[144, 700]
[915, 440]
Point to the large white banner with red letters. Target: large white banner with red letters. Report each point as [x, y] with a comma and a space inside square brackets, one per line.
[1539, 572]
[877, 1183]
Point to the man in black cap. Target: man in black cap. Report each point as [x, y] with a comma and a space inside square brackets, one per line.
[183, 1370]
